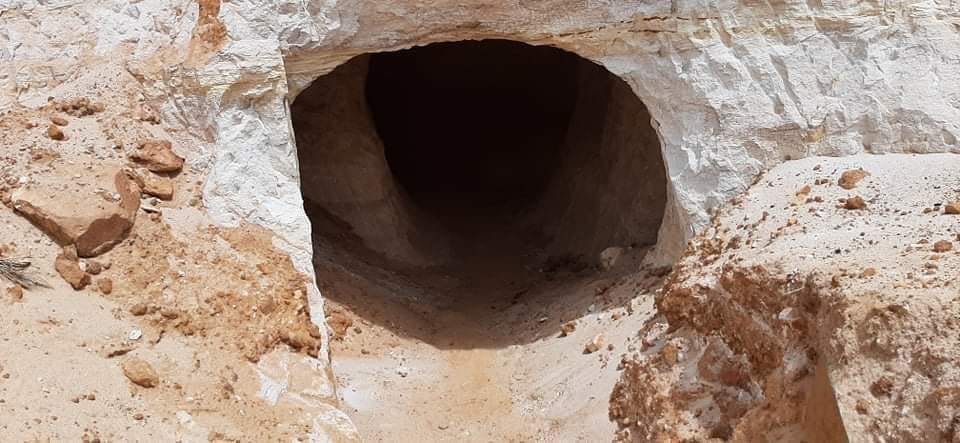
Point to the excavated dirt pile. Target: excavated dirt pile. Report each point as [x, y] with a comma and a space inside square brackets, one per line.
[800, 317]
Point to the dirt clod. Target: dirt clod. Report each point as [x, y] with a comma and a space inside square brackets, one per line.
[339, 323]
[849, 179]
[105, 285]
[300, 339]
[855, 203]
[15, 292]
[942, 246]
[882, 387]
[952, 208]
[593, 345]
[55, 133]
[92, 267]
[139, 309]
[140, 372]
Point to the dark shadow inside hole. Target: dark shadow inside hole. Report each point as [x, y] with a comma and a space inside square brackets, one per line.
[472, 123]
[472, 179]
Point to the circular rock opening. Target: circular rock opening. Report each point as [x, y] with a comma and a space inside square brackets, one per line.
[470, 203]
[471, 155]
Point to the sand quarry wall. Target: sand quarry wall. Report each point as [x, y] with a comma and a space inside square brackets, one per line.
[733, 87]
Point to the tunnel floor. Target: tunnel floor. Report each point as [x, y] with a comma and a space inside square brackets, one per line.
[460, 196]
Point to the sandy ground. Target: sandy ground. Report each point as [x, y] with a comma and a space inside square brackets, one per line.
[474, 353]
[211, 310]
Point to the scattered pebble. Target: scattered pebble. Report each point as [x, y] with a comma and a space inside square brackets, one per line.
[105, 285]
[594, 345]
[942, 246]
[15, 292]
[568, 328]
[138, 309]
[952, 208]
[855, 203]
[55, 133]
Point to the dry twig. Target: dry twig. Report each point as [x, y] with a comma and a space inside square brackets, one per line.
[15, 270]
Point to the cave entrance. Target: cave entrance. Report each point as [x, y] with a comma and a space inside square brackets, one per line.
[458, 175]
[461, 196]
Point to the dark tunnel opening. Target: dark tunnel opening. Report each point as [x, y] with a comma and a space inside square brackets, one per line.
[492, 162]
[462, 197]
[472, 123]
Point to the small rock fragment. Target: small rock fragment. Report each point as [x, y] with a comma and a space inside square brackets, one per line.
[610, 256]
[169, 313]
[105, 285]
[882, 387]
[849, 179]
[92, 267]
[138, 309]
[59, 121]
[155, 185]
[140, 372]
[157, 156]
[568, 328]
[942, 246]
[15, 292]
[594, 345]
[55, 133]
[855, 203]
[68, 268]
[952, 208]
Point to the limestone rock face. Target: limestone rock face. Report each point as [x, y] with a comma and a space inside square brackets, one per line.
[92, 210]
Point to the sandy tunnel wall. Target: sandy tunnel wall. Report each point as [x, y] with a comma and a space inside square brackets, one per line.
[614, 192]
[603, 184]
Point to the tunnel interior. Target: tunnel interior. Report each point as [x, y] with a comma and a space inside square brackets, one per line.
[474, 155]
[459, 129]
